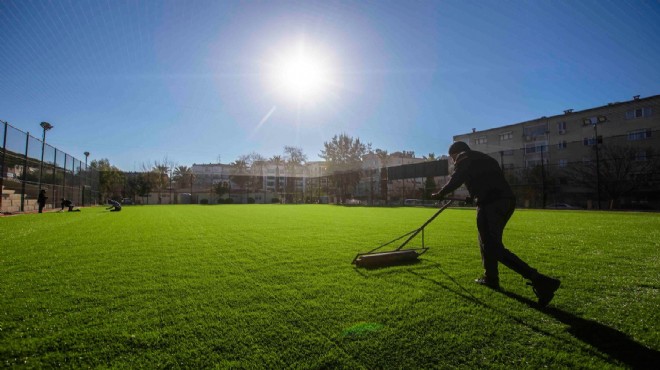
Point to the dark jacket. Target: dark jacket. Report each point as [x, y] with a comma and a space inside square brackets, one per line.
[482, 176]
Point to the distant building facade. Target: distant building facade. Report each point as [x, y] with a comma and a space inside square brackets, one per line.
[608, 153]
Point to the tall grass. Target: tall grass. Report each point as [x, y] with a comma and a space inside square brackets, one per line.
[271, 286]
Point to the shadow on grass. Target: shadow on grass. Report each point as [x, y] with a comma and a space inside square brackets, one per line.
[611, 343]
[608, 340]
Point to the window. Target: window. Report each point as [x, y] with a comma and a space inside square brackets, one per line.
[507, 152]
[640, 156]
[535, 162]
[589, 141]
[537, 147]
[594, 120]
[531, 132]
[506, 136]
[642, 134]
[562, 145]
[482, 140]
[561, 127]
[639, 113]
[563, 163]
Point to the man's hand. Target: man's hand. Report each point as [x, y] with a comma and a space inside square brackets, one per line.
[436, 196]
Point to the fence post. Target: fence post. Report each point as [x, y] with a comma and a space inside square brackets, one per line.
[63, 195]
[53, 181]
[25, 164]
[81, 186]
[2, 162]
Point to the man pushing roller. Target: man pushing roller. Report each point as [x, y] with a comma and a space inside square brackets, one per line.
[495, 202]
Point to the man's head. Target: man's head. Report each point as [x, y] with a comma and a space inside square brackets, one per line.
[456, 148]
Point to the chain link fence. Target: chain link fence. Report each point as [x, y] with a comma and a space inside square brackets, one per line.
[615, 172]
[28, 164]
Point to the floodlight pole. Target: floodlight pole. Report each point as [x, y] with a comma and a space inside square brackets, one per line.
[86, 174]
[45, 126]
[599, 119]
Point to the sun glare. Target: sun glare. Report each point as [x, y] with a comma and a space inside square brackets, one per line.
[301, 73]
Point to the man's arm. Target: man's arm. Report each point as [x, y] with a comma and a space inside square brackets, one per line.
[457, 178]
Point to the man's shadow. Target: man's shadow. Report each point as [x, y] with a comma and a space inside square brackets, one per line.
[607, 340]
[610, 343]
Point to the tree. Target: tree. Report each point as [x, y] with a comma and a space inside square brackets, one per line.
[344, 157]
[429, 185]
[144, 184]
[240, 172]
[221, 189]
[277, 161]
[383, 156]
[619, 171]
[294, 157]
[257, 162]
[160, 177]
[111, 179]
[181, 176]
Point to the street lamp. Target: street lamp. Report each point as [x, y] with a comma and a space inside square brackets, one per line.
[86, 174]
[597, 140]
[45, 126]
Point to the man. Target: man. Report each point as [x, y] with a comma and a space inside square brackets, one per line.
[114, 205]
[69, 204]
[495, 202]
[41, 200]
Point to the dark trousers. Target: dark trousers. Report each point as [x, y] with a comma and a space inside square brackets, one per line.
[491, 220]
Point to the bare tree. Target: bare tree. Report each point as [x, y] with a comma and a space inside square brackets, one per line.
[619, 171]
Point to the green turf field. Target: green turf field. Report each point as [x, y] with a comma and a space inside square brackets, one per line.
[271, 286]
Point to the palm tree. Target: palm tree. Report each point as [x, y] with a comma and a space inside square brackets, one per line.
[240, 167]
[181, 175]
[160, 172]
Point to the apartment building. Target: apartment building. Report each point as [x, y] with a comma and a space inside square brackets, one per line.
[560, 149]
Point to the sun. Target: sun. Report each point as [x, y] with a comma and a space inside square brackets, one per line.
[302, 73]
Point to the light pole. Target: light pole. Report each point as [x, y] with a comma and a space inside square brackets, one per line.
[86, 174]
[597, 140]
[46, 126]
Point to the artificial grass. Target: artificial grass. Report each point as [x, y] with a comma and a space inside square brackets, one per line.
[271, 286]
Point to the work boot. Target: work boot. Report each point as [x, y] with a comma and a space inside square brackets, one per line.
[491, 283]
[544, 287]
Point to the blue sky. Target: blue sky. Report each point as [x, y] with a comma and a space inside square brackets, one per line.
[143, 80]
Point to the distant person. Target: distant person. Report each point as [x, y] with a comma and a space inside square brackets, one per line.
[41, 200]
[68, 204]
[495, 202]
[114, 205]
